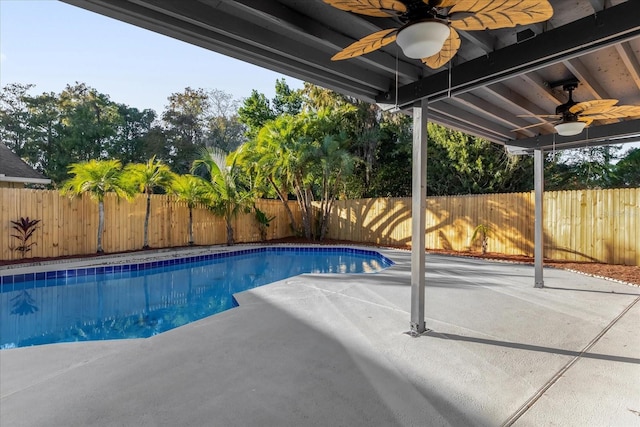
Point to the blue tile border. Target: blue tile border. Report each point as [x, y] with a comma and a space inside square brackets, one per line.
[81, 275]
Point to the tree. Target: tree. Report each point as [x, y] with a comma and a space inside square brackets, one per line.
[581, 168]
[96, 178]
[192, 190]
[335, 164]
[257, 110]
[133, 141]
[472, 165]
[14, 120]
[328, 161]
[185, 120]
[264, 160]
[304, 155]
[147, 177]
[254, 113]
[45, 131]
[286, 100]
[90, 120]
[627, 170]
[224, 129]
[391, 174]
[230, 196]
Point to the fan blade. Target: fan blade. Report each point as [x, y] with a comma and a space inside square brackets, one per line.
[541, 116]
[595, 106]
[367, 44]
[618, 112]
[378, 8]
[535, 125]
[587, 120]
[448, 51]
[490, 14]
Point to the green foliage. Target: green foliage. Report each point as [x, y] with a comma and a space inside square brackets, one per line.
[145, 178]
[305, 155]
[582, 168]
[257, 110]
[482, 231]
[263, 222]
[627, 170]
[13, 116]
[24, 229]
[391, 174]
[229, 195]
[472, 165]
[192, 190]
[97, 178]
[51, 131]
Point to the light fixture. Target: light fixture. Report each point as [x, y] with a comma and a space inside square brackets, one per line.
[423, 39]
[570, 128]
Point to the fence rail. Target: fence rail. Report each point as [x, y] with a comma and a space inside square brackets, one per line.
[588, 225]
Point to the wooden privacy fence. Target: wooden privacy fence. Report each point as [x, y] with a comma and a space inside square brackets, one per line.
[587, 225]
[69, 226]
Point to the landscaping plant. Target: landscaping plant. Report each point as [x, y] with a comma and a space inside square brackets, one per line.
[263, 223]
[24, 228]
[482, 231]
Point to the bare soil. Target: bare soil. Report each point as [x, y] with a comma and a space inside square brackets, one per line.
[623, 273]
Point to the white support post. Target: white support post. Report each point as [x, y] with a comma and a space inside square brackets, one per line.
[418, 214]
[538, 166]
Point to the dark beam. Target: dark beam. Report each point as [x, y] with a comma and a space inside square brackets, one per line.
[608, 27]
[616, 133]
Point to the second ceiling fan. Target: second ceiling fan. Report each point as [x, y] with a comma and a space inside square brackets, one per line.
[572, 117]
[428, 29]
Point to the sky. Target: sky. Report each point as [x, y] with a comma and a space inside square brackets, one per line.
[51, 44]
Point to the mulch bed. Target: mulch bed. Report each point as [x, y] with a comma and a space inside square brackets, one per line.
[622, 273]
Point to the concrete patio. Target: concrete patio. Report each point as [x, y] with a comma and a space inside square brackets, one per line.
[331, 350]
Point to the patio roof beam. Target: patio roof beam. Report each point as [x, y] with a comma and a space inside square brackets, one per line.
[615, 133]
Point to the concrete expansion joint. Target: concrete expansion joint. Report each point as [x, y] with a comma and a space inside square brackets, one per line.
[542, 390]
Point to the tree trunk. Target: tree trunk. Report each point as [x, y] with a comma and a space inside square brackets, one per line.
[146, 223]
[285, 202]
[100, 225]
[229, 232]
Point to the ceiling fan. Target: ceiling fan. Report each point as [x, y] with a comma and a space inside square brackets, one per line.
[572, 117]
[427, 28]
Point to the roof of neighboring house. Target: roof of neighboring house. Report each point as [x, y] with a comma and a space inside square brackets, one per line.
[14, 169]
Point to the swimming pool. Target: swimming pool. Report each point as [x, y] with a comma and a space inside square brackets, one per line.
[145, 299]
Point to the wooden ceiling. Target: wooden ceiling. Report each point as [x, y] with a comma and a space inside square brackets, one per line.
[496, 75]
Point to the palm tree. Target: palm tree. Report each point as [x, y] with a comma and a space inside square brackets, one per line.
[192, 190]
[230, 195]
[146, 177]
[335, 163]
[262, 159]
[97, 178]
[286, 155]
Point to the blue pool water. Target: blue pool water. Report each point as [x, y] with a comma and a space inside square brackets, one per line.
[141, 300]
